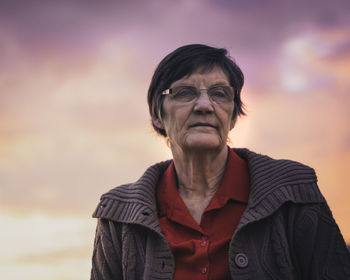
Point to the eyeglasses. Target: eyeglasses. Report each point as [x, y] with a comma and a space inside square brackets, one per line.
[219, 93]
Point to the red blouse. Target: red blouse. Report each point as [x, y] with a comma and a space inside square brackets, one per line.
[201, 251]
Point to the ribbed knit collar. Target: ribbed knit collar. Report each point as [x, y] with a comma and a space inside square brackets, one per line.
[272, 183]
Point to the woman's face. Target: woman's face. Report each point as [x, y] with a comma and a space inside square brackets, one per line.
[201, 123]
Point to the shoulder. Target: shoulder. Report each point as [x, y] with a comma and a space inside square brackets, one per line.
[141, 187]
[122, 202]
[275, 181]
[281, 171]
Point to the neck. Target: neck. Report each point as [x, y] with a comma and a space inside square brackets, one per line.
[199, 172]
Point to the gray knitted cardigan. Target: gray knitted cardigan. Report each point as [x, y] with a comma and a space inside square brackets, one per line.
[286, 232]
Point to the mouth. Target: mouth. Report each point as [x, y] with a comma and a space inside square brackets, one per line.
[202, 125]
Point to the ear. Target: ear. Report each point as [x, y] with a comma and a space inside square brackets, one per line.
[157, 122]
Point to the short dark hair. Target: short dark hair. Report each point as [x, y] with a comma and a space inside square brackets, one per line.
[184, 61]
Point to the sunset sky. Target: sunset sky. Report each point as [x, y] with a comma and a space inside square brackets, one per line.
[74, 118]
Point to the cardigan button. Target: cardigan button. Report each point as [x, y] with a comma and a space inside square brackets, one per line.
[204, 270]
[241, 260]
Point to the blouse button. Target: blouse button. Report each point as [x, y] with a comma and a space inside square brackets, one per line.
[241, 260]
[203, 243]
[203, 270]
[204, 237]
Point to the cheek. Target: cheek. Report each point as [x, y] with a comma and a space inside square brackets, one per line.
[166, 117]
[226, 118]
[174, 117]
[171, 123]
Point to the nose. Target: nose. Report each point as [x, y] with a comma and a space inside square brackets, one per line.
[203, 103]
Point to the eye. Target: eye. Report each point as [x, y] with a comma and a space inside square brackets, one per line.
[220, 94]
[184, 93]
[217, 92]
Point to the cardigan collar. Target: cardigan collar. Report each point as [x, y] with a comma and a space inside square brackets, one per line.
[272, 183]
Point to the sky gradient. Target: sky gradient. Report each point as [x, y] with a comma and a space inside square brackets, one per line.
[74, 119]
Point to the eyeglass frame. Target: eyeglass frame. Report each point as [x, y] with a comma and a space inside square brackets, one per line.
[169, 91]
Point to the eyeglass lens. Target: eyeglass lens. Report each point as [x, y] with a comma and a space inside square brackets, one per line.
[218, 94]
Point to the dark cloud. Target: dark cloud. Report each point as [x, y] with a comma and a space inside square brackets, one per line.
[250, 24]
[68, 25]
[323, 11]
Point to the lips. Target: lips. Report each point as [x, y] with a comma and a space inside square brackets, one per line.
[202, 125]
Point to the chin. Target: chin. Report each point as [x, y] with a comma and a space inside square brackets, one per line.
[204, 142]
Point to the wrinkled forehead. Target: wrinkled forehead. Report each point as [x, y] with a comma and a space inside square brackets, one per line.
[204, 77]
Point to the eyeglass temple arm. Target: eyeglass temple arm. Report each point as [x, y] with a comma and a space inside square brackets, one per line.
[167, 91]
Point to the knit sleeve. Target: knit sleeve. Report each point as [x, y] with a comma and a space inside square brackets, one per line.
[106, 259]
[320, 247]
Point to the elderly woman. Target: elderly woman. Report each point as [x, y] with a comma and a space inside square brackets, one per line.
[214, 212]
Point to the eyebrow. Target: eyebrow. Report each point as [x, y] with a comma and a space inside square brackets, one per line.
[219, 83]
